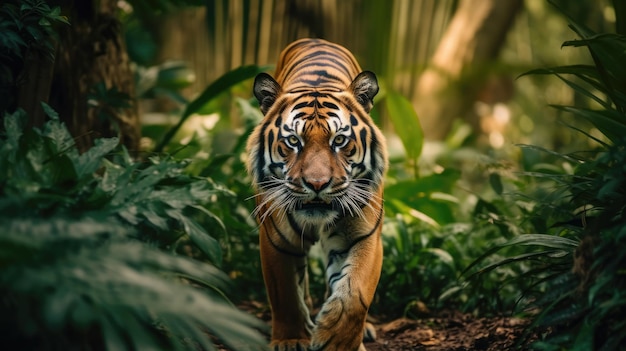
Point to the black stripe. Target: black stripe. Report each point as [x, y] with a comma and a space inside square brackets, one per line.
[316, 94]
[282, 236]
[330, 61]
[278, 121]
[353, 120]
[318, 57]
[315, 83]
[373, 148]
[281, 152]
[302, 273]
[303, 104]
[330, 105]
[304, 59]
[337, 276]
[292, 222]
[356, 241]
[363, 303]
[363, 136]
[260, 156]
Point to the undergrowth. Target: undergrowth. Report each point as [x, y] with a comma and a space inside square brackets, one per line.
[88, 249]
[578, 300]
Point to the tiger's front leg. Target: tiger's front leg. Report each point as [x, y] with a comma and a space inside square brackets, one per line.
[284, 272]
[352, 273]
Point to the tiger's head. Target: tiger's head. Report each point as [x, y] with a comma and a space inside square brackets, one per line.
[317, 155]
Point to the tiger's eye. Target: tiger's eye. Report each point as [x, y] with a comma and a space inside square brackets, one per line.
[293, 140]
[339, 140]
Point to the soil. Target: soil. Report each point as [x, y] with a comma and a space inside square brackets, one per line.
[445, 331]
[450, 331]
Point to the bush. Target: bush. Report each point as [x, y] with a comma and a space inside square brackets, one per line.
[88, 249]
[577, 268]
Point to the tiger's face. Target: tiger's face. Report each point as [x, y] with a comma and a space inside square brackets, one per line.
[316, 157]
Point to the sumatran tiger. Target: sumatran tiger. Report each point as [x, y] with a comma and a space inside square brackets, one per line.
[317, 163]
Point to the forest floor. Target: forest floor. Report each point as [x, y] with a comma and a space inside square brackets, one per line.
[444, 331]
[449, 331]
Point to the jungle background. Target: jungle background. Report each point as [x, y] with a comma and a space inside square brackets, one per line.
[125, 208]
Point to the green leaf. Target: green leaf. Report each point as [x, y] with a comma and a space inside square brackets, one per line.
[442, 182]
[557, 243]
[422, 194]
[496, 183]
[91, 160]
[59, 138]
[199, 236]
[153, 214]
[55, 14]
[610, 122]
[444, 256]
[175, 75]
[608, 52]
[50, 112]
[212, 215]
[406, 124]
[13, 126]
[578, 70]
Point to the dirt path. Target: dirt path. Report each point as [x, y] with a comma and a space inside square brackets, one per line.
[448, 331]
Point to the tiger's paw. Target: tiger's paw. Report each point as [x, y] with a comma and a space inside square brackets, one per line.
[290, 345]
[369, 332]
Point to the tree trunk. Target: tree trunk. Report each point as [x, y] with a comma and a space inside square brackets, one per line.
[35, 78]
[93, 83]
[452, 81]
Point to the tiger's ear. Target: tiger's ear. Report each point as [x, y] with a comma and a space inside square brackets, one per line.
[365, 87]
[266, 89]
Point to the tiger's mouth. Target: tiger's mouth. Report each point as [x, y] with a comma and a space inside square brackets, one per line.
[316, 204]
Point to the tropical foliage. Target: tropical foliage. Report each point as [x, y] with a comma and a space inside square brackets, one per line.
[577, 267]
[25, 29]
[89, 246]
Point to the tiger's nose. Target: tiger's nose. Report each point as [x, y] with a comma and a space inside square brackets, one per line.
[316, 184]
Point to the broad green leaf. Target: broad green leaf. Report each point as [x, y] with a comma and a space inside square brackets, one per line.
[442, 182]
[91, 160]
[418, 194]
[199, 236]
[406, 124]
[154, 215]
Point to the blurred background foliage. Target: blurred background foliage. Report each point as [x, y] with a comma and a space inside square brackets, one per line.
[495, 202]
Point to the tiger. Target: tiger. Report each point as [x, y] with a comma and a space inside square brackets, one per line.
[317, 163]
